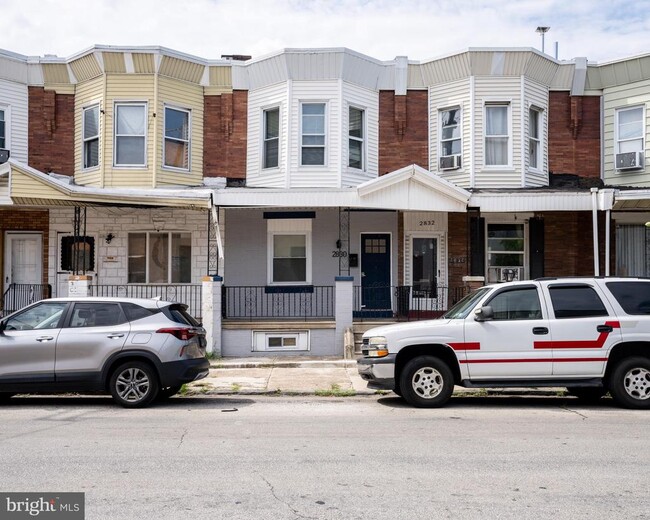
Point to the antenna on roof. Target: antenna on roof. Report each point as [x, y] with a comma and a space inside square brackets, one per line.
[542, 31]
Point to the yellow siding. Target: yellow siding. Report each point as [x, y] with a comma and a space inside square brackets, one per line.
[187, 96]
[181, 69]
[23, 185]
[88, 93]
[85, 68]
[136, 88]
[114, 62]
[221, 76]
[143, 63]
[55, 73]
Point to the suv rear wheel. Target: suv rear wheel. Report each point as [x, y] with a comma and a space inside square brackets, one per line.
[134, 384]
[630, 383]
[426, 382]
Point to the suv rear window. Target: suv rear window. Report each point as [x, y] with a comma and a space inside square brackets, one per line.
[576, 301]
[179, 314]
[135, 312]
[633, 297]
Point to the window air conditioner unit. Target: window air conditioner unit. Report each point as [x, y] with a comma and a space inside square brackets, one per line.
[4, 155]
[629, 161]
[450, 162]
[509, 274]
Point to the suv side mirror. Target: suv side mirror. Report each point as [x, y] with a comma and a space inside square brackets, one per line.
[484, 313]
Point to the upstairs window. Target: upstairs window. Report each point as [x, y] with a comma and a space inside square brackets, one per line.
[90, 136]
[3, 135]
[356, 138]
[450, 143]
[271, 138]
[630, 130]
[534, 142]
[160, 257]
[497, 134]
[177, 138]
[313, 134]
[130, 137]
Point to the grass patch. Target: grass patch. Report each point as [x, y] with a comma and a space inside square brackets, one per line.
[335, 391]
[235, 387]
[184, 390]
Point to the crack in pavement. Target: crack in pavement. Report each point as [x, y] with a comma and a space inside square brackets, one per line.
[294, 511]
[575, 412]
[182, 439]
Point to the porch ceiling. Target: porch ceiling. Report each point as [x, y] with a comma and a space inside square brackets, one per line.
[632, 200]
[30, 187]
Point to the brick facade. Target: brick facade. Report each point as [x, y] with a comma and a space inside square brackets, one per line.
[574, 134]
[51, 131]
[403, 130]
[458, 251]
[224, 135]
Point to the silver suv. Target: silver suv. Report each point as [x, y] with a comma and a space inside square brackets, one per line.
[135, 349]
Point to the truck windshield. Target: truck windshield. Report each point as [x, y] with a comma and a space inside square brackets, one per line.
[465, 306]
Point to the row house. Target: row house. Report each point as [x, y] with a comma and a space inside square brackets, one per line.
[296, 196]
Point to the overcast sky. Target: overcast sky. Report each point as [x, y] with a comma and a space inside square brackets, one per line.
[601, 30]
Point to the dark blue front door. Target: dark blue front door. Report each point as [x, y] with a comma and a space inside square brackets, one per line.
[375, 272]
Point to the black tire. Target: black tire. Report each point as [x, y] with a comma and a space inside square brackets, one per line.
[5, 396]
[166, 393]
[587, 394]
[426, 382]
[629, 383]
[134, 384]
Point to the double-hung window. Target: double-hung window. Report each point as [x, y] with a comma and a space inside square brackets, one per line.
[91, 136]
[160, 257]
[313, 134]
[271, 138]
[177, 138]
[630, 130]
[356, 138]
[534, 139]
[130, 134]
[497, 134]
[289, 250]
[3, 128]
[450, 138]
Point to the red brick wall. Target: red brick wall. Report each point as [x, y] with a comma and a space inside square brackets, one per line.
[51, 131]
[224, 135]
[574, 134]
[25, 220]
[457, 251]
[403, 130]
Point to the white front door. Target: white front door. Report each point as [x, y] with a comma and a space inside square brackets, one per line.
[23, 258]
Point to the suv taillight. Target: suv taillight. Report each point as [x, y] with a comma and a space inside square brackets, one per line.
[182, 333]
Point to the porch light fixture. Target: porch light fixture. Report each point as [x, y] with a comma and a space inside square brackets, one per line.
[109, 238]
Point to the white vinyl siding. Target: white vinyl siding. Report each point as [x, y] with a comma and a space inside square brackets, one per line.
[14, 102]
[4, 119]
[615, 99]
[130, 134]
[367, 100]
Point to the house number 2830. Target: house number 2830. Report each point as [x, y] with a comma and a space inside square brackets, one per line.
[339, 254]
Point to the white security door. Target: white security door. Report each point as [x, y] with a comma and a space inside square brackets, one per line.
[23, 258]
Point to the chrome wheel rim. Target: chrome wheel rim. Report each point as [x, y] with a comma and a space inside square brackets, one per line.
[637, 383]
[132, 385]
[427, 382]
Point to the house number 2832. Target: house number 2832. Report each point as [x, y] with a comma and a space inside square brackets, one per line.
[427, 222]
[339, 254]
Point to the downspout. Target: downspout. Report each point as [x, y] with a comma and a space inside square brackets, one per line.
[594, 214]
[607, 244]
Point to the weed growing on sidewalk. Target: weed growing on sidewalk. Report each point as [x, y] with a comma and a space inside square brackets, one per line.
[236, 387]
[335, 391]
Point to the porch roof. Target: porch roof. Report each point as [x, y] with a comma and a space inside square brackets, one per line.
[632, 199]
[22, 185]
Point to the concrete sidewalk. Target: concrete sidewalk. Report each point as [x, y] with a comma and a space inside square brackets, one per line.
[306, 376]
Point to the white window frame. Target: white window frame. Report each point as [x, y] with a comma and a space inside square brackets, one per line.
[147, 234]
[361, 140]
[538, 140]
[522, 219]
[643, 127]
[144, 105]
[85, 140]
[188, 141]
[441, 111]
[497, 103]
[7, 119]
[325, 135]
[302, 227]
[264, 140]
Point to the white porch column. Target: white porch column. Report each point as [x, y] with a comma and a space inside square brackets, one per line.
[343, 301]
[79, 285]
[211, 287]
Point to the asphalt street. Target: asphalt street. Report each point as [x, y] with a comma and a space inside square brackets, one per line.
[371, 457]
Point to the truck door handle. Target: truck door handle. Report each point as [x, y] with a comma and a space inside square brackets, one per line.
[44, 338]
[604, 328]
[540, 330]
[115, 336]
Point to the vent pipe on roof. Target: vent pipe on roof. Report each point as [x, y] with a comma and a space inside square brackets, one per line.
[557, 45]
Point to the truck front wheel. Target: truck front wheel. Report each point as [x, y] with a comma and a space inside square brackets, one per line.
[426, 382]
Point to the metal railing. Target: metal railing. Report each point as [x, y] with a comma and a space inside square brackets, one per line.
[260, 302]
[404, 302]
[189, 294]
[19, 295]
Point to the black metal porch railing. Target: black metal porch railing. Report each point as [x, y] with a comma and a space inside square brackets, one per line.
[260, 302]
[19, 295]
[404, 302]
[189, 294]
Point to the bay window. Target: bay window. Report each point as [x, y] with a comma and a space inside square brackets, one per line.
[3, 129]
[176, 150]
[356, 138]
[497, 134]
[270, 155]
[534, 138]
[130, 136]
[91, 137]
[450, 135]
[312, 134]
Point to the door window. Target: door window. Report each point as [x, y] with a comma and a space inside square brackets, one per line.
[425, 267]
[96, 315]
[516, 304]
[41, 316]
[576, 301]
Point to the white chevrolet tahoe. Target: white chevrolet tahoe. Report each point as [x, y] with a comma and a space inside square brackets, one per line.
[591, 335]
